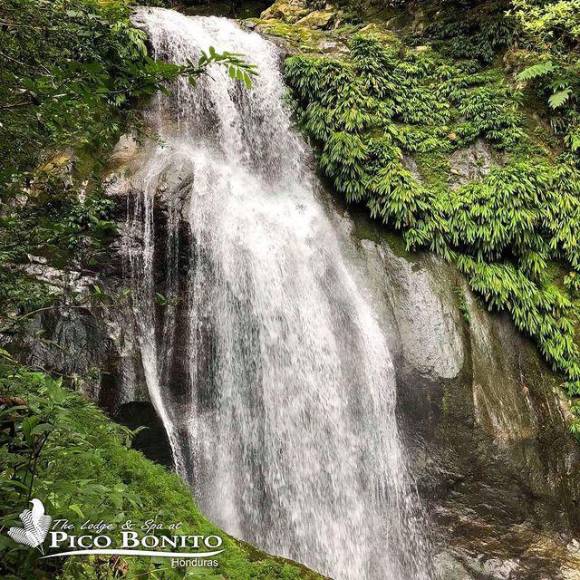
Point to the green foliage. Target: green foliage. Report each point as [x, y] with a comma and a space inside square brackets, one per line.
[536, 70]
[58, 447]
[381, 104]
[22, 294]
[539, 38]
[57, 85]
[549, 33]
[559, 82]
[558, 98]
[463, 304]
[554, 24]
[481, 30]
[67, 68]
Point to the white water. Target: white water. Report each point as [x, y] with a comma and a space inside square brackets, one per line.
[271, 372]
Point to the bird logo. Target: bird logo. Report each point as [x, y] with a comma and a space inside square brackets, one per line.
[36, 524]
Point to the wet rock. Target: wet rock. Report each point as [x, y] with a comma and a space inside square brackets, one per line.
[500, 569]
[69, 340]
[411, 165]
[484, 418]
[448, 567]
[151, 441]
[57, 280]
[428, 324]
[503, 405]
[125, 152]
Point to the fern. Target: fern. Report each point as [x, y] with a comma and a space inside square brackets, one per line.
[559, 98]
[536, 70]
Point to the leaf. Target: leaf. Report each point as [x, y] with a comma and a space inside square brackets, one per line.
[559, 98]
[536, 70]
[5, 354]
[161, 299]
[15, 483]
[55, 393]
[27, 426]
[42, 428]
[77, 510]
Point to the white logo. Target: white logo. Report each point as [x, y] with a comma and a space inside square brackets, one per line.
[133, 541]
[36, 525]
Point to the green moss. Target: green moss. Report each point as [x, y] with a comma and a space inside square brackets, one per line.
[434, 168]
[86, 471]
[301, 37]
[481, 30]
[367, 229]
[462, 304]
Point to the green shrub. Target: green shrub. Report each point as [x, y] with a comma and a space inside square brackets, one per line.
[58, 447]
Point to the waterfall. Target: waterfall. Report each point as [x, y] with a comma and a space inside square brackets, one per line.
[262, 349]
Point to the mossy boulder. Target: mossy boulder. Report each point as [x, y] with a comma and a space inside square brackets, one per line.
[471, 163]
[289, 11]
[319, 19]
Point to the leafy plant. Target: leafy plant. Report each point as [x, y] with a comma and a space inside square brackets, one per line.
[58, 447]
[549, 32]
[501, 230]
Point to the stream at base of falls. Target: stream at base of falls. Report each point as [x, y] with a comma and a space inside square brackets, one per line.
[267, 361]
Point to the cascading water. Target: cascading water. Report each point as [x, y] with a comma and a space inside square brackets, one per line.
[266, 359]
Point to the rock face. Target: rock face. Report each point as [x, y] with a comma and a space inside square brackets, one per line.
[321, 19]
[471, 164]
[486, 426]
[290, 11]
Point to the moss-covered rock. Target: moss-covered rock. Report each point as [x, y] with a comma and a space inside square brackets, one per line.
[289, 11]
[86, 471]
[298, 27]
[471, 163]
[318, 19]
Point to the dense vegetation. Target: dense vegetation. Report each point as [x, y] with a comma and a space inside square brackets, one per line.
[390, 113]
[56, 445]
